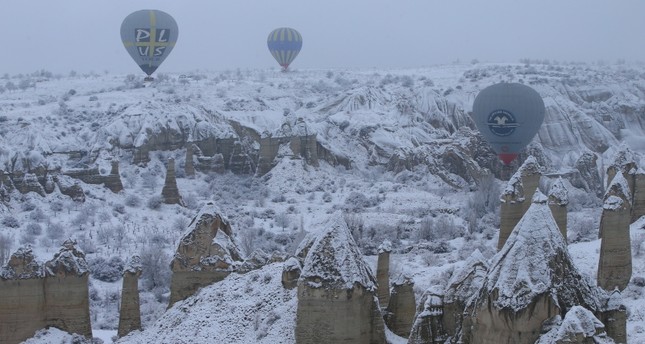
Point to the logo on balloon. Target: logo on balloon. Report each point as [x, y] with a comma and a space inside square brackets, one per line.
[502, 123]
[151, 42]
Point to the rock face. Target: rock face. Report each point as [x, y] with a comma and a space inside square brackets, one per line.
[429, 319]
[34, 296]
[578, 326]
[531, 279]
[206, 254]
[462, 287]
[189, 167]
[558, 200]
[383, 274]
[402, 307]
[638, 207]
[130, 313]
[113, 181]
[588, 179]
[516, 197]
[29, 183]
[70, 187]
[291, 273]
[615, 265]
[170, 192]
[614, 316]
[337, 292]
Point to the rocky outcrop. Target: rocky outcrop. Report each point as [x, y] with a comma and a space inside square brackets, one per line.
[463, 286]
[624, 163]
[256, 260]
[530, 280]
[189, 167]
[291, 273]
[428, 326]
[638, 207]
[516, 197]
[206, 254]
[558, 200]
[383, 273]
[35, 296]
[70, 187]
[588, 177]
[578, 326]
[129, 312]
[402, 307]
[170, 192]
[336, 285]
[113, 180]
[615, 265]
[614, 316]
[28, 182]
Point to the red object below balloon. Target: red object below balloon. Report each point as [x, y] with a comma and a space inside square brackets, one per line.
[507, 158]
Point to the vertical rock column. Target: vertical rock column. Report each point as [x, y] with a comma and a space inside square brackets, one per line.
[113, 181]
[638, 208]
[615, 265]
[402, 307]
[558, 200]
[130, 313]
[170, 192]
[383, 273]
[516, 197]
[189, 167]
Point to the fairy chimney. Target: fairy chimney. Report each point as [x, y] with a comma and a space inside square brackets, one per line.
[428, 325]
[579, 326]
[290, 273]
[336, 285]
[531, 279]
[189, 167]
[516, 197]
[615, 265]
[113, 181]
[130, 313]
[558, 200]
[624, 163]
[170, 192]
[402, 307]
[638, 207]
[206, 254]
[383, 273]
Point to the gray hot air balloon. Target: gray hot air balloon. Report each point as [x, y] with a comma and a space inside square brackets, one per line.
[508, 115]
[149, 36]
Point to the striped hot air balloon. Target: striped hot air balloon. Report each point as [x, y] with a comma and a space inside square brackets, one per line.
[284, 44]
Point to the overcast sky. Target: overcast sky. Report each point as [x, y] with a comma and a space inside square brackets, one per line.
[83, 35]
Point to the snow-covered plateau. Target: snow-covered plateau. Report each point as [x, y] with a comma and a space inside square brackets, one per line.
[394, 152]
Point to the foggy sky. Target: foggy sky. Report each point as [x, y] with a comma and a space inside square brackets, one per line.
[83, 35]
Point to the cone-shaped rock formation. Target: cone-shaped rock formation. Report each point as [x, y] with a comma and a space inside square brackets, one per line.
[558, 200]
[130, 312]
[383, 273]
[516, 197]
[337, 291]
[530, 280]
[170, 192]
[615, 265]
[206, 254]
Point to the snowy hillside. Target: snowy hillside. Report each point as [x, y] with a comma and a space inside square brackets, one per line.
[398, 155]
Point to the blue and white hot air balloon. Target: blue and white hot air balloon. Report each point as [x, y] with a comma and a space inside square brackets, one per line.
[508, 115]
[284, 44]
[149, 36]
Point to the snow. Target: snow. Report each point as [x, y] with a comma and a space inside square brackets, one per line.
[249, 308]
[520, 271]
[334, 260]
[613, 203]
[618, 187]
[44, 124]
[559, 193]
[578, 321]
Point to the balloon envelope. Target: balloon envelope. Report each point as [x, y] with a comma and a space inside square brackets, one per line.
[149, 36]
[284, 44]
[508, 115]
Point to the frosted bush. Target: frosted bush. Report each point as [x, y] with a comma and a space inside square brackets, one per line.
[10, 221]
[106, 270]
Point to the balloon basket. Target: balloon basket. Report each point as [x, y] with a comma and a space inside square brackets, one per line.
[148, 79]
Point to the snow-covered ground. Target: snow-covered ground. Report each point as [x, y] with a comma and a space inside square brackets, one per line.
[365, 116]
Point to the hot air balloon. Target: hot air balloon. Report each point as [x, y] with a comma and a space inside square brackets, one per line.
[508, 115]
[149, 36]
[284, 44]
